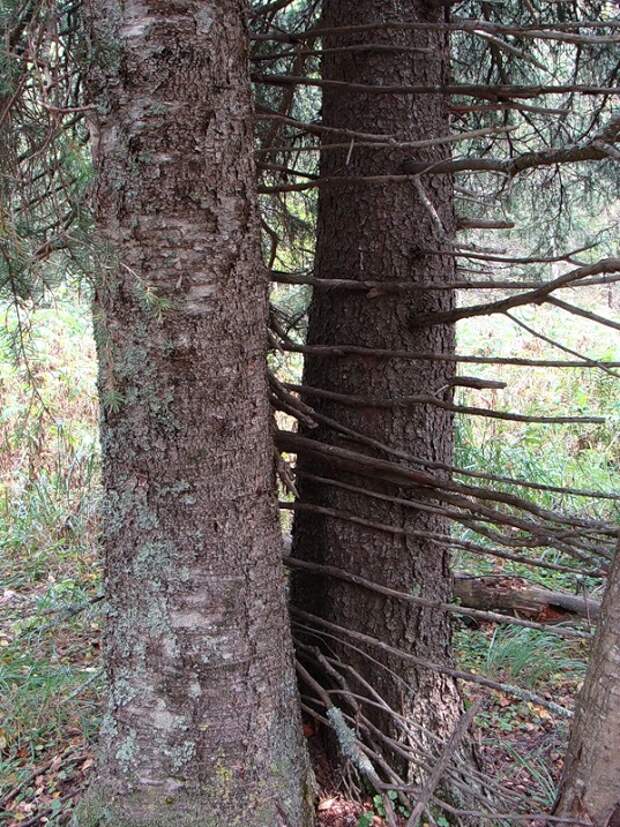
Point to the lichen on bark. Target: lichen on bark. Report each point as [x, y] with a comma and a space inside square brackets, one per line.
[202, 706]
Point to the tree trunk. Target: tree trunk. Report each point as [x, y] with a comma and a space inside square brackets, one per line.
[590, 787]
[382, 232]
[201, 726]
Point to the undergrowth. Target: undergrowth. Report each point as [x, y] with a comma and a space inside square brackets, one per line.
[49, 569]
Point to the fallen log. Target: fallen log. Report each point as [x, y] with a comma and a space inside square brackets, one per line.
[520, 597]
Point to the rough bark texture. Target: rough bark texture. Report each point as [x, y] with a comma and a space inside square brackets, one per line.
[383, 233]
[590, 788]
[201, 726]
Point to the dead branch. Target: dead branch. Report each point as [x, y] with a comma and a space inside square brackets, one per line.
[596, 149]
[406, 401]
[593, 362]
[433, 485]
[492, 93]
[436, 538]
[586, 314]
[564, 32]
[380, 287]
[395, 144]
[385, 353]
[447, 756]
[348, 743]
[467, 677]
[466, 610]
[483, 224]
[537, 296]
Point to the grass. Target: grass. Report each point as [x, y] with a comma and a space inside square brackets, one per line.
[49, 492]
[573, 456]
[527, 657]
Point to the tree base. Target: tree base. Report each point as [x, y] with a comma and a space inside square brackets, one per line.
[97, 809]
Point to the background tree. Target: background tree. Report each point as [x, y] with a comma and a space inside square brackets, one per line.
[380, 234]
[525, 107]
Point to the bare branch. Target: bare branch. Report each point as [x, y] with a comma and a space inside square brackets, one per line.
[538, 296]
[452, 608]
[405, 401]
[467, 677]
[448, 754]
[386, 353]
[491, 93]
[563, 32]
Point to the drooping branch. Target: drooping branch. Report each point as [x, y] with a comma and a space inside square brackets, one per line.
[450, 491]
[303, 443]
[537, 296]
[293, 405]
[466, 677]
[453, 608]
[405, 401]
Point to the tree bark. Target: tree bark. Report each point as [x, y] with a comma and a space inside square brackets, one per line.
[202, 722]
[590, 786]
[382, 233]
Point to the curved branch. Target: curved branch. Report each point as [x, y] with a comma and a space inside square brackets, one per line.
[538, 296]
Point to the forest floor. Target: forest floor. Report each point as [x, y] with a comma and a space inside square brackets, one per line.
[51, 688]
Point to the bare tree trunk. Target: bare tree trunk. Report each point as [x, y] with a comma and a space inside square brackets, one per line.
[201, 726]
[590, 787]
[382, 232]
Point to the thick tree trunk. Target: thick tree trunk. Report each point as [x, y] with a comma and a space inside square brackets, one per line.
[590, 787]
[382, 232]
[202, 725]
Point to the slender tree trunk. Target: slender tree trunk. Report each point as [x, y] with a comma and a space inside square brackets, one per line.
[590, 787]
[201, 726]
[382, 232]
